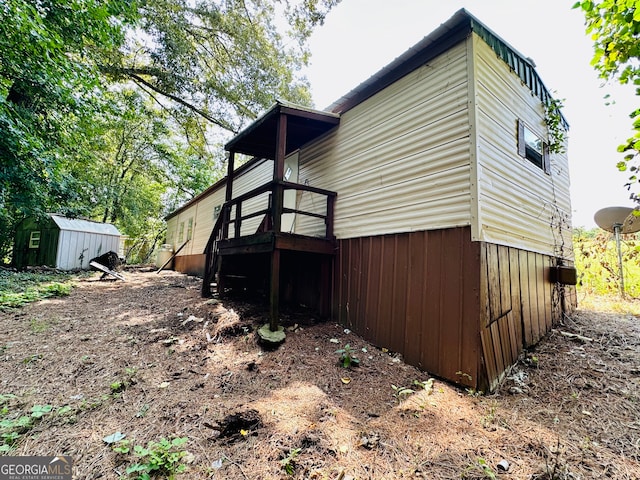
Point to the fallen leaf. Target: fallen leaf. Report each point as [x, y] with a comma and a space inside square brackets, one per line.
[334, 340]
[113, 438]
[164, 385]
[344, 449]
[345, 380]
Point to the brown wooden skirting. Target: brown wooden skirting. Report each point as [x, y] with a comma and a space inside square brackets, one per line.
[521, 306]
[461, 310]
[190, 264]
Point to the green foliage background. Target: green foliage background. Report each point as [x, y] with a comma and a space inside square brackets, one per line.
[116, 110]
[597, 263]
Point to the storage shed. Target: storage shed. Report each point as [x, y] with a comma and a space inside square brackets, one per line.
[424, 210]
[64, 243]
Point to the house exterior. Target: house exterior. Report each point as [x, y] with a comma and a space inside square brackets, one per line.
[63, 243]
[424, 209]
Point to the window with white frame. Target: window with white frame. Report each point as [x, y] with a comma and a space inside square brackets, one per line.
[34, 239]
[181, 232]
[190, 228]
[532, 147]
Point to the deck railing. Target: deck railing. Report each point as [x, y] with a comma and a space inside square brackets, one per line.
[276, 188]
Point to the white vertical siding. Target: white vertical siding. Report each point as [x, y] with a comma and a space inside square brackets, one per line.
[399, 160]
[519, 205]
[76, 249]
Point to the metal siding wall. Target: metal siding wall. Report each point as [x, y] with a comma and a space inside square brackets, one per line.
[72, 244]
[519, 205]
[258, 175]
[400, 160]
[417, 294]
[204, 220]
[202, 214]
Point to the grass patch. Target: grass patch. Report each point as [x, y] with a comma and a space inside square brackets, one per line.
[20, 288]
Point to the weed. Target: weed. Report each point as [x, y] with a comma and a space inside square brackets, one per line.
[289, 462]
[479, 467]
[32, 358]
[143, 410]
[488, 420]
[38, 325]
[120, 385]
[18, 290]
[13, 426]
[347, 359]
[401, 392]
[162, 459]
[117, 386]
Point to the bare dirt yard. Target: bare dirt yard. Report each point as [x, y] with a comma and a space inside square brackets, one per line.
[149, 359]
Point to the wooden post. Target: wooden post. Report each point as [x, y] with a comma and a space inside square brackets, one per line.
[277, 204]
[228, 194]
[331, 201]
[274, 297]
[278, 174]
[238, 223]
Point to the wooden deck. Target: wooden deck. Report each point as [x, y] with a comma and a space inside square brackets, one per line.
[267, 242]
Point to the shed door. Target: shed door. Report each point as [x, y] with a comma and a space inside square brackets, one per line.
[290, 175]
[33, 247]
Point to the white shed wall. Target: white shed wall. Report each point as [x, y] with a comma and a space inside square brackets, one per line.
[519, 205]
[76, 249]
[400, 161]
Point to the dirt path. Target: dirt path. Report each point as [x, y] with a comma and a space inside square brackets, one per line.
[151, 359]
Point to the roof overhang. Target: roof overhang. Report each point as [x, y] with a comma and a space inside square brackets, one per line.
[303, 125]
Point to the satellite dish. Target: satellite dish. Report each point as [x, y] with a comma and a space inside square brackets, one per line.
[618, 220]
[622, 217]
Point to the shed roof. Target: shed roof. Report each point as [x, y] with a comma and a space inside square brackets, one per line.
[88, 226]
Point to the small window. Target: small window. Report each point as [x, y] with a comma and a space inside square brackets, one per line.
[190, 229]
[181, 232]
[216, 212]
[34, 239]
[532, 147]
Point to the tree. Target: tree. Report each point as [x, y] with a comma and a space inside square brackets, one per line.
[222, 60]
[614, 25]
[209, 66]
[49, 86]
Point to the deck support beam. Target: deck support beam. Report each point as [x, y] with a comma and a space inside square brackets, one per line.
[277, 204]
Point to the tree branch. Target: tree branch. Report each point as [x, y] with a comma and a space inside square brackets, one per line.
[135, 75]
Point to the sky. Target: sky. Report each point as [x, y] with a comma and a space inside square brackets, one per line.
[359, 37]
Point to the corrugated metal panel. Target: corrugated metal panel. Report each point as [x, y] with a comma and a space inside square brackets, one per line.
[400, 160]
[204, 220]
[76, 249]
[519, 205]
[78, 225]
[202, 210]
[417, 294]
[259, 175]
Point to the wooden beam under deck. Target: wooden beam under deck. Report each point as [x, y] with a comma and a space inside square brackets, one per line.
[271, 241]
